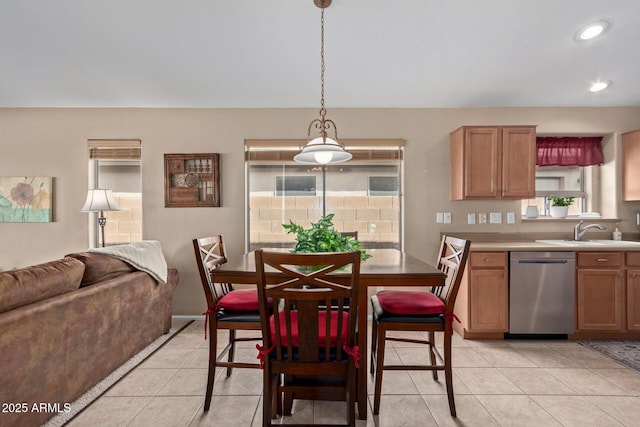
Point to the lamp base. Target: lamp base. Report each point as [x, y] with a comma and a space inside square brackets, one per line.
[102, 221]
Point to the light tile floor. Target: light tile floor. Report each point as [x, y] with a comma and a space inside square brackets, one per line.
[496, 383]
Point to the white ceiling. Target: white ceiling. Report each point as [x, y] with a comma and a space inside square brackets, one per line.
[259, 53]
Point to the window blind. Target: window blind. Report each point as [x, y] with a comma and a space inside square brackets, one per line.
[115, 149]
[362, 150]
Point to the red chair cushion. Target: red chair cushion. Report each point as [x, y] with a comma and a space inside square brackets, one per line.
[240, 300]
[410, 302]
[322, 331]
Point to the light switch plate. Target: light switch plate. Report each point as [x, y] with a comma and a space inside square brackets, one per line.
[482, 218]
[495, 218]
[511, 217]
[471, 218]
[447, 217]
[439, 217]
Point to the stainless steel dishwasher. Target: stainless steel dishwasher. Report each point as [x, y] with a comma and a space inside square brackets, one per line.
[541, 292]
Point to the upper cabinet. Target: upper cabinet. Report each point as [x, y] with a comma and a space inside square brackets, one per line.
[493, 162]
[631, 165]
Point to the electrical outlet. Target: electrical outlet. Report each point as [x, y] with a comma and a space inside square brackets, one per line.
[495, 218]
[471, 218]
[511, 217]
[439, 218]
[482, 218]
[447, 217]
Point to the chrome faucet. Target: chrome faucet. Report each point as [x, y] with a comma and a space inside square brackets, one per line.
[578, 232]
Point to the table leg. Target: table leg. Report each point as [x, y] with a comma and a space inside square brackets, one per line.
[361, 393]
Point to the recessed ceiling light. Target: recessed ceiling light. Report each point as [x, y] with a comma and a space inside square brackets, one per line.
[591, 31]
[599, 86]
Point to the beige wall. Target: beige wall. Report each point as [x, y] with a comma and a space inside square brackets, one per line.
[52, 142]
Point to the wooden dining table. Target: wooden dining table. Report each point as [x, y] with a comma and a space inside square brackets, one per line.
[386, 267]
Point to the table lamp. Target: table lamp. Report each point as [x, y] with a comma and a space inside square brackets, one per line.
[100, 200]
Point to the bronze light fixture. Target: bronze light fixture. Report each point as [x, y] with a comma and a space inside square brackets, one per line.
[322, 149]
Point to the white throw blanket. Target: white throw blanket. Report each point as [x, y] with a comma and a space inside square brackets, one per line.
[146, 256]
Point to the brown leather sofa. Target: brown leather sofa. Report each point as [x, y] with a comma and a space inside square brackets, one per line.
[67, 324]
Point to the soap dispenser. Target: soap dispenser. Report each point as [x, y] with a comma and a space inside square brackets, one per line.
[617, 234]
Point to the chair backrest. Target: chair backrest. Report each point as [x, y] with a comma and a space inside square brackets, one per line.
[210, 254]
[353, 234]
[302, 287]
[452, 260]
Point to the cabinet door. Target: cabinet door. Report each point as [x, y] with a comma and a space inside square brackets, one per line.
[488, 301]
[518, 162]
[631, 165]
[482, 163]
[633, 299]
[600, 299]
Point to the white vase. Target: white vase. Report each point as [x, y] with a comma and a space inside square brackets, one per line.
[531, 212]
[559, 211]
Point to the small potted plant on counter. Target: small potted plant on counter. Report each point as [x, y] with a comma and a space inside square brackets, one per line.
[559, 206]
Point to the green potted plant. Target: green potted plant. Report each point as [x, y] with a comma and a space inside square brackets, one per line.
[559, 206]
[323, 237]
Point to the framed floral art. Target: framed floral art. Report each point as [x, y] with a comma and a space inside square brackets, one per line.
[26, 199]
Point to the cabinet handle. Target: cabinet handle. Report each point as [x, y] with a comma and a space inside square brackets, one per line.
[621, 275]
[489, 260]
[633, 275]
[602, 259]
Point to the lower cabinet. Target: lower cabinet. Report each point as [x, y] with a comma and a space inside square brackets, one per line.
[482, 304]
[633, 291]
[600, 280]
[608, 292]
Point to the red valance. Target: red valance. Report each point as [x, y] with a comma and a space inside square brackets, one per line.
[569, 151]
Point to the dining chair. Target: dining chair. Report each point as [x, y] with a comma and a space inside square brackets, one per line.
[227, 308]
[425, 311]
[310, 348]
[353, 234]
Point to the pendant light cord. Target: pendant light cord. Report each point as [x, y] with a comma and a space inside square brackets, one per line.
[323, 111]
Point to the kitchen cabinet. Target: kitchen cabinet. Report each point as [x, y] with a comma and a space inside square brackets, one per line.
[600, 285]
[633, 291]
[631, 165]
[482, 304]
[493, 162]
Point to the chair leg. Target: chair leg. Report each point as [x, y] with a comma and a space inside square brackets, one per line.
[381, 338]
[374, 345]
[448, 373]
[213, 353]
[351, 396]
[267, 396]
[432, 355]
[232, 349]
[287, 396]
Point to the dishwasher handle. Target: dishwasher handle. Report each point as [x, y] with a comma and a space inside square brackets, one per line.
[543, 261]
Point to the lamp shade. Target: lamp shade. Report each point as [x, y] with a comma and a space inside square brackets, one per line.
[100, 199]
[322, 151]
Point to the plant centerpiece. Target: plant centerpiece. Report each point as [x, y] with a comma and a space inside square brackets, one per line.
[323, 237]
[560, 206]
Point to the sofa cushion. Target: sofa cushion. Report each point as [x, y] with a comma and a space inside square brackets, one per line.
[100, 267]
[31, 284]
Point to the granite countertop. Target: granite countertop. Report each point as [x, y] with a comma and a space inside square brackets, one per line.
[557, 245]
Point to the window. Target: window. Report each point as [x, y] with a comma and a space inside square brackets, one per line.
[383, 185]
[567, 167]
[295, 186]
[364, 193]
[115, 165]
[562, 181]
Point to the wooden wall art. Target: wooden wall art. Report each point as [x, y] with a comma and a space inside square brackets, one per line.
[191, 180]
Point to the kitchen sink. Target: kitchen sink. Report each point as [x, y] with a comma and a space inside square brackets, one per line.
[597, 243]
